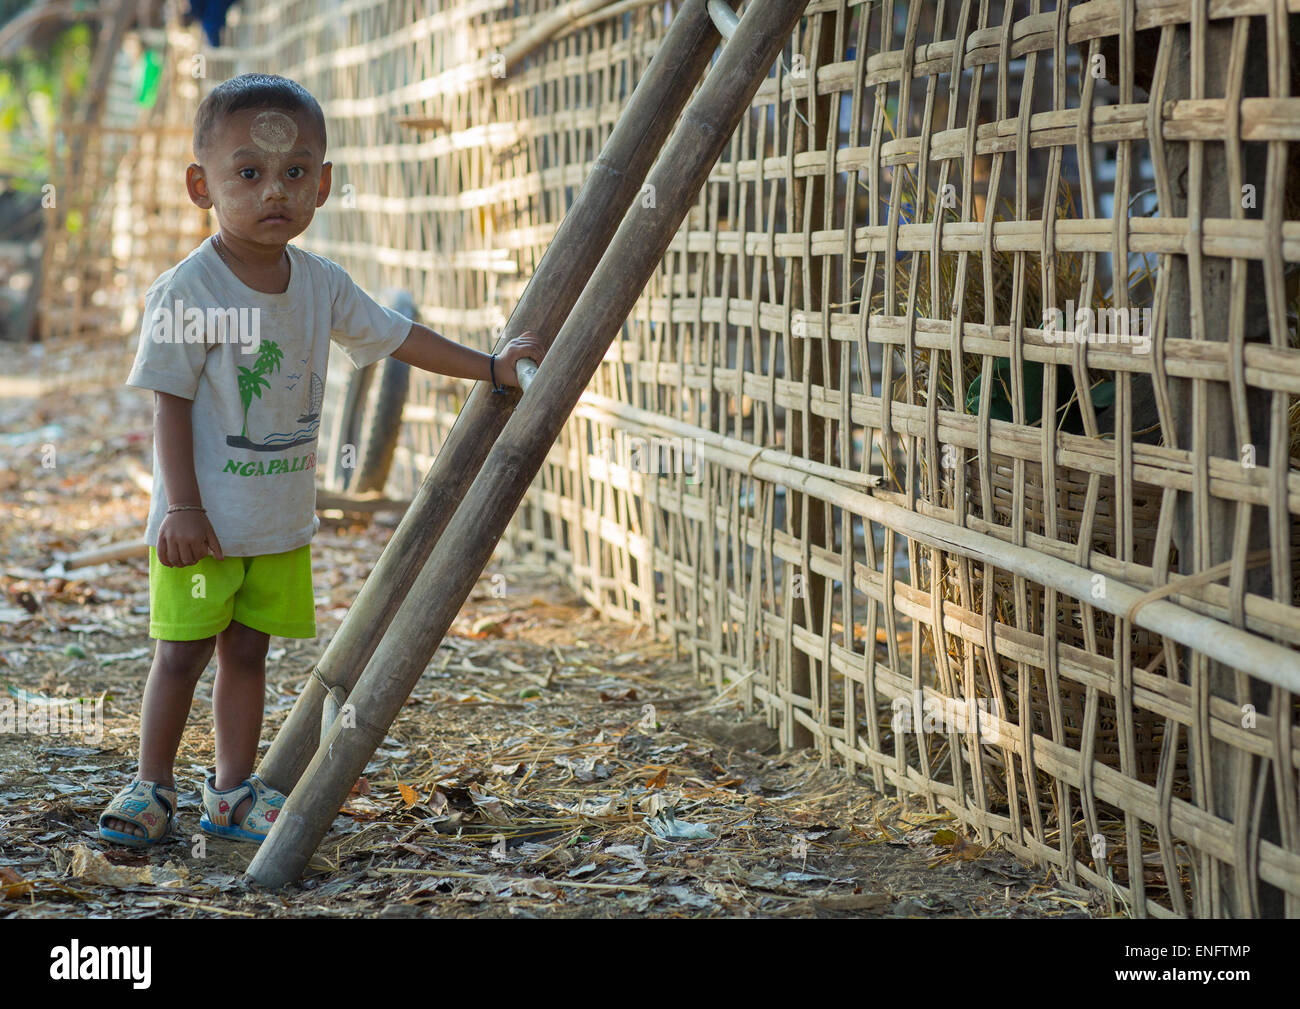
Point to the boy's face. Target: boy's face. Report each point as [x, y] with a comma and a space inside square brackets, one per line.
[264, 173]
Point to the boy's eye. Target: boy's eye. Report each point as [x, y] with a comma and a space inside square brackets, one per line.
[296, 172]
[248, 173]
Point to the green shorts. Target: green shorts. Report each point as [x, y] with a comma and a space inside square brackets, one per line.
[271, 593]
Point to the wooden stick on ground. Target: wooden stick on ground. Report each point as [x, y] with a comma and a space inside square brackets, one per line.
[104, 554]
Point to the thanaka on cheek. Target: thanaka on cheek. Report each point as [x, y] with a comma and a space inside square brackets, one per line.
[233, 198]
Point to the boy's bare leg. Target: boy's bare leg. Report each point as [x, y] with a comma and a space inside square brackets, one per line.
[168, 694]
[238, 700]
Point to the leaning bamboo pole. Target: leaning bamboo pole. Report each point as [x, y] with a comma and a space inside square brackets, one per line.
[615, 180]
[452, 570]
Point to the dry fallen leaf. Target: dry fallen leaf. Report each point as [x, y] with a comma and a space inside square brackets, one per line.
[957, 845]
[12, 885]
[530, 887]
[409, 794]
[95, 868]
[486, 627]
[659, 780]
[491, 807]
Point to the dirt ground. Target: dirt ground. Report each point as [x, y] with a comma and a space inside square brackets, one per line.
[551, 763]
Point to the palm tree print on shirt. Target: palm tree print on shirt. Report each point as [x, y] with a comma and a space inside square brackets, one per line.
[253, 380]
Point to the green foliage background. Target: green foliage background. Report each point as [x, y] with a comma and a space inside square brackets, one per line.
[35, 87]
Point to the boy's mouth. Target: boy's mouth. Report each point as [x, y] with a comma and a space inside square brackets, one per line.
[275, 219]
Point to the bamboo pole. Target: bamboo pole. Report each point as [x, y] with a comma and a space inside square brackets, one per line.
[452, 570]
[1209, 302]
[807, 516]
[112, 30]
[587, 228]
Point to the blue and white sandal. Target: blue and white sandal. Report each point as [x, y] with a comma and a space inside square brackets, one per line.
[147, 804]
[219, 809]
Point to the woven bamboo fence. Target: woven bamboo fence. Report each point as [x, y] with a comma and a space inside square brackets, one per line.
[118, 216]
[856, 451]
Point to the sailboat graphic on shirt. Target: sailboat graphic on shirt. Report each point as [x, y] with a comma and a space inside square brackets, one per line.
[252, 381]
[317, 397]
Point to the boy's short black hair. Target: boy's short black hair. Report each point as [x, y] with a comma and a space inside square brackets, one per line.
[253, 91]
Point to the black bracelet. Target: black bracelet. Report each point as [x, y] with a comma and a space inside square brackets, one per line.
[492, 372]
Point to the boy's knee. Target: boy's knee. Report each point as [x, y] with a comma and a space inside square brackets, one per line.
[242, 646]
[184, 658]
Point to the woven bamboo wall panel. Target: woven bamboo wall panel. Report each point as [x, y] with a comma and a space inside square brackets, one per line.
[857, 447]
[120, 214]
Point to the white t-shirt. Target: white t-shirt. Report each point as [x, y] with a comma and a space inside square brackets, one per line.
[254, 366]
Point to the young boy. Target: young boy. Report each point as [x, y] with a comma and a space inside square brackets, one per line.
[234, 347]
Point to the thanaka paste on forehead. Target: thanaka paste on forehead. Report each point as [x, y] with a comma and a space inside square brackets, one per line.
[273, 131]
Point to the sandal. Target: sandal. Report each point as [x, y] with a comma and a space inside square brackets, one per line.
[148, 805]
[219, 809]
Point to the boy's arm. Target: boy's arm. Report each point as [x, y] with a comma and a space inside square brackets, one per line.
[173, 435]
[432, 351]
[186, 536]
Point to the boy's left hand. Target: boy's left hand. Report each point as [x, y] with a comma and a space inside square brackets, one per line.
[525, 345]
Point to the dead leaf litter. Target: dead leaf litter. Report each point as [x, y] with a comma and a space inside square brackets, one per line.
[550, 763]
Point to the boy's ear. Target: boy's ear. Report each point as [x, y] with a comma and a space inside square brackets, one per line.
[323, 191]
[197, 186]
